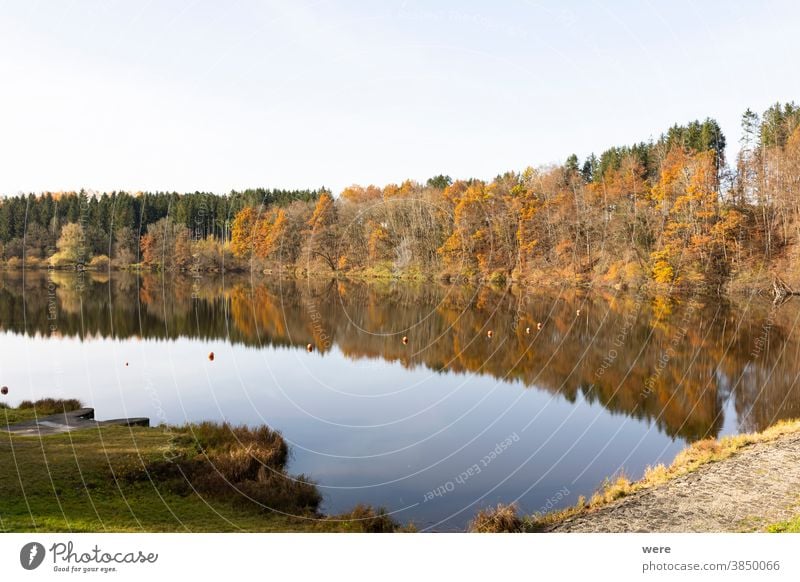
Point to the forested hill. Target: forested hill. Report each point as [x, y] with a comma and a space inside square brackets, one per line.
[35, 221]
[672, 213]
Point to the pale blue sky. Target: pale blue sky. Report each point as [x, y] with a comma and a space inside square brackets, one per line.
[185, 95]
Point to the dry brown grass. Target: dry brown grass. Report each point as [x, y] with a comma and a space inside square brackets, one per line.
[366, 519]
[238, 463]
[499, 519]
[237, 452]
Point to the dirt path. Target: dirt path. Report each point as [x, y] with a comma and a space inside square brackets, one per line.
[756, 486]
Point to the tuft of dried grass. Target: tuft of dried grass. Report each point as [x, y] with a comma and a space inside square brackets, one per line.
[244, 464]
[366, 519]
[611, 491]
[499, 519]
[218, 440]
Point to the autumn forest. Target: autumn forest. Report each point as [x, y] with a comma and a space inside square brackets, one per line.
[671, 214]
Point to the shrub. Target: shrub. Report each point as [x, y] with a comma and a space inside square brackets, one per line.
[60, 261]
[232, 446]
[235, 462]
[51, 405]
[99, 263]
[14, 263]
[497, 278]
[365, 519]
[207, 255]
[33, 263]
[500, 519]
[279, 491]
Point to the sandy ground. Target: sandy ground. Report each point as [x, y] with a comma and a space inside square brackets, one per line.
[755, 487]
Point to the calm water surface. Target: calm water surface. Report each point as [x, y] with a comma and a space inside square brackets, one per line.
[434, 429]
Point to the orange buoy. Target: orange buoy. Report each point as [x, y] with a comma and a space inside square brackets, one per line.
[211, 356]
[489, 333]
[309, 348]
[405, 339]
[4, 390]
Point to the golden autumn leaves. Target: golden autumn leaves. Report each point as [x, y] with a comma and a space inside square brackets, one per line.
[667, 213]
[626, 227]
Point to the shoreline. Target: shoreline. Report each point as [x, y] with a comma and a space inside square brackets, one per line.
[743, 482]
[68, 472]
[734, 289]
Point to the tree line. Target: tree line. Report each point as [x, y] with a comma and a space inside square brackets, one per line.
[67, 228]
[670, 212]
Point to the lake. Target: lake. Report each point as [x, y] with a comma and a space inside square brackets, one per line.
[433, 428]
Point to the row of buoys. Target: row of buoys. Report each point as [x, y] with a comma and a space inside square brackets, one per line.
[489, 334]
[310, 347]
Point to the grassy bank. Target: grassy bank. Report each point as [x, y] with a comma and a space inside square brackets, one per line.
[210, 477]
[200, 477]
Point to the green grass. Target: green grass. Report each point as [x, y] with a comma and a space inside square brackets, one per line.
[113, 479]
[28, 410]
[790, 526]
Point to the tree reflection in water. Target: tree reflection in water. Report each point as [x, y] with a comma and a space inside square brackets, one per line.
[673, 362]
